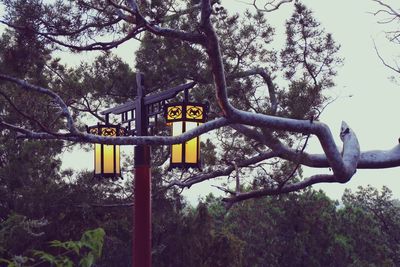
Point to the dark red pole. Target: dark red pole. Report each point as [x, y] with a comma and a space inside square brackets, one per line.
[142, 191]
[142, 208]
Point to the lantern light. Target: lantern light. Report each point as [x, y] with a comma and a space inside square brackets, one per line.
[185, 116]
[107, 157]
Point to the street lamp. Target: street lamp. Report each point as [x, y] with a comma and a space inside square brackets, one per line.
[136, 116]
[106, 157]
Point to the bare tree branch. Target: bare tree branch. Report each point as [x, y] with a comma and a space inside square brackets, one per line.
[214, 52]
[99, 205]
[321, 178]
[30, 87]
[391, 10]
[397, 69]
[268, 80]
[291, 175]
[228, 170]
[270, 6]
[30, 118]
[96, 45]
[165, 32]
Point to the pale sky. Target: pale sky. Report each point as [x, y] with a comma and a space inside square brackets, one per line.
[371, 111]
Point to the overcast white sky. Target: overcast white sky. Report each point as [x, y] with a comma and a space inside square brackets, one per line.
[372, 111]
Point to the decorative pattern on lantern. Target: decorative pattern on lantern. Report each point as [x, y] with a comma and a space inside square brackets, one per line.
[185, 116]
[107, 157]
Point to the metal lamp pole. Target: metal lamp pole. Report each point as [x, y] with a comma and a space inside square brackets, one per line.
[142, 188]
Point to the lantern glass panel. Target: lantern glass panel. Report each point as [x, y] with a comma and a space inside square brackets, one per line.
[177, 148]
[117, 168]
[97, 159]
[108, 151]
[191, 149]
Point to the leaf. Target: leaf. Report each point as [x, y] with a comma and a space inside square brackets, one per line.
[94, 239]
[44, 256]
[73, 245]
[55, 243]
[68, 245]
[64, 262]
[87, 261]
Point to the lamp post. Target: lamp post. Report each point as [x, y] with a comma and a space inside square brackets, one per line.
[136, 114]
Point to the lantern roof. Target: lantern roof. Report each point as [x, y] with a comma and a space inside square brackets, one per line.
[150, 99]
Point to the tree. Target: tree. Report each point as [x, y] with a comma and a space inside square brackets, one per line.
[309, 229]
[230, 57]
[292, 230]
[383, 211]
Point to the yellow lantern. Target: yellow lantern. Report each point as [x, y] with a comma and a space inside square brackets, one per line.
[107, 157]
[185, 116]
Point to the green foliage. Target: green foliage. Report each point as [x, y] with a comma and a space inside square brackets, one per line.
[310, 53]
[86, 251]
[196, 240]
[306, 229]
[384, 215]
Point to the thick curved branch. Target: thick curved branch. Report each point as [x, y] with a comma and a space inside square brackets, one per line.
[123, 140]
[351, 150]
[351, 155]
[321, 130]
[374, 159]
[342, 166]
[214, 52]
